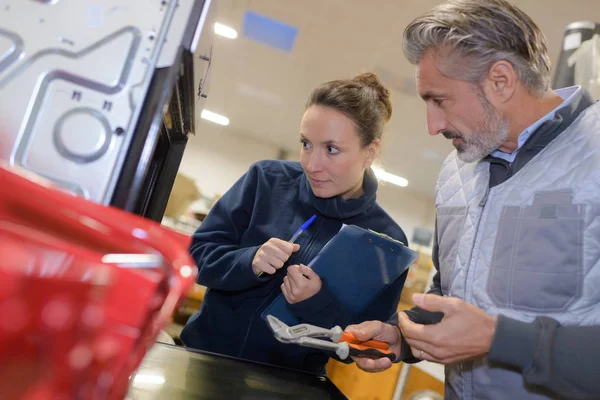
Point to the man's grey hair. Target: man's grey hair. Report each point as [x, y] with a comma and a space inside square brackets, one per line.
[472, 35]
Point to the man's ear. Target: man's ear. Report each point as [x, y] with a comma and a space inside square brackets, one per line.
[500, 83]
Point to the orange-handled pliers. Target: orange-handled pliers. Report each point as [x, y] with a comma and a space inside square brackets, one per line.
[342, 343]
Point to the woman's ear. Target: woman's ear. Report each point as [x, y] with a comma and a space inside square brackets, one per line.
[372, 152]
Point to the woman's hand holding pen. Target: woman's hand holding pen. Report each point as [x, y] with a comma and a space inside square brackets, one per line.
[272, 255]
[300, 283]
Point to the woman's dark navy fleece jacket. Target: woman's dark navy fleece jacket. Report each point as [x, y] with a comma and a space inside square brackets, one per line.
[272, 200]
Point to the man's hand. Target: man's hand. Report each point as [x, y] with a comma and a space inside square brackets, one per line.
[465, 332]
[300, 283]
[272, 255]
[376, 330]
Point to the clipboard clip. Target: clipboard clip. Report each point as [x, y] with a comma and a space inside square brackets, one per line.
[386, 236]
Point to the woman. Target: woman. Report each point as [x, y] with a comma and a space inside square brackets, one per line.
[241, 247]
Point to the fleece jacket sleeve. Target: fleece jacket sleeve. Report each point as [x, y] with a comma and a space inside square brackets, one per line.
[222, 263]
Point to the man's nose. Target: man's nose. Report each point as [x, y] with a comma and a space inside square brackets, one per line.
[436, 120]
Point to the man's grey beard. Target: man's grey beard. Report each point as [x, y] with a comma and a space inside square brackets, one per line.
[492, 133]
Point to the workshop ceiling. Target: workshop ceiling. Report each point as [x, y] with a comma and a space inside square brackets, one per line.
[262, 89]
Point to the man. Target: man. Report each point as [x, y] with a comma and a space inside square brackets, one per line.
[515, 306]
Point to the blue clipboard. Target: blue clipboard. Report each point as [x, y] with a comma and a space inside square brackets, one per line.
[375, 261]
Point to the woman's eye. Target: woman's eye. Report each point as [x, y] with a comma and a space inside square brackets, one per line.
[332, 150]
[305, 144]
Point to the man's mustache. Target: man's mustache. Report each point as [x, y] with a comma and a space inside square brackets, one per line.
[451, 135]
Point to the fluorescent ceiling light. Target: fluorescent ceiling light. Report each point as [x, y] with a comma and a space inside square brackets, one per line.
[383, 175]
[214, 117]
[225, 31]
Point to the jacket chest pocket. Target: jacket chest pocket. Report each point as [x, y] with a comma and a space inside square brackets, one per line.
[450, 222]
[537, 264]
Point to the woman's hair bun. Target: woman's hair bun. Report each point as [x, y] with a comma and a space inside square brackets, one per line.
[383, 94]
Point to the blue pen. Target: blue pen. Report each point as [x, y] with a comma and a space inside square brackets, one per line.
[302, 228]
[298, 233]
